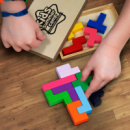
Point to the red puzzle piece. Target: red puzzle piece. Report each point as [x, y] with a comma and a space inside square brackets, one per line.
[93, 37]
[77, 45]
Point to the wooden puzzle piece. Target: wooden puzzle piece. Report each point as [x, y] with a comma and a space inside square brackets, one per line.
[71, 36]
[77, 45]
[75, 116]
[68, 72]
[62, 68]
[58, 98]
[93, 37]
[85, 103]
[69, 88]
[1, 1]
[58, 82]
[95, 97]
[78, 82]
[98, 24]
[78, 27]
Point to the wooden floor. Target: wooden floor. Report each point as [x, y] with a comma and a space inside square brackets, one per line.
[24, 107]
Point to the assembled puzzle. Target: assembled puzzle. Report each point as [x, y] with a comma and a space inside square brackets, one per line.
[70, 90]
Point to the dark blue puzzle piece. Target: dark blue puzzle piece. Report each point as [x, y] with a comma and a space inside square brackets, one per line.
[98, 24]
[95, 100]
[95, 97]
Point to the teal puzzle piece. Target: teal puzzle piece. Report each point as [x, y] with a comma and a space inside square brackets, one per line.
[85, 103]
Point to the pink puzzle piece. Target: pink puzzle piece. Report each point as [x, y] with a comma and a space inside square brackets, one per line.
[68, 72]
[93, 37]
[58, 82]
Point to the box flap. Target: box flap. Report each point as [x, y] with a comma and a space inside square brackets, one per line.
[56, 19]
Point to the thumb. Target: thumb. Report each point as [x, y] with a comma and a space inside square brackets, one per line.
[86, 72]
[39, 35]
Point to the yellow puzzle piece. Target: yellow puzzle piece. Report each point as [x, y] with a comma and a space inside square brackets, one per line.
[78, 27]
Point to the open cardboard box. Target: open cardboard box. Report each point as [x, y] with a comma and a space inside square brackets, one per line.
[57, 18]
[92, 14]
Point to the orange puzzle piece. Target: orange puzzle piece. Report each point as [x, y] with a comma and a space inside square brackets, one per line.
[1, 1]
[76, 117]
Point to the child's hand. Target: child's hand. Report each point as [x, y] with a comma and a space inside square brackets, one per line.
[21, 33]
[106, 66]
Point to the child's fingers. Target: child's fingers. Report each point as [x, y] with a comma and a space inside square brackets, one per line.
[36, 44]
[16, 48]
[103, 84]
[86, 72]
[6, 45]
[94, 85]
[39, 35]
[26, 48]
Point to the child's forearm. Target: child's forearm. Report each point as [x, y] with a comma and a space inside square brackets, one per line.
[13, 6]
[120, 33]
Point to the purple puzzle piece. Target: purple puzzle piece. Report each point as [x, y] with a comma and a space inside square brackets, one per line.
[67, 87]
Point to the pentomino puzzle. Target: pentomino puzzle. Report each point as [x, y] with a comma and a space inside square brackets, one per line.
[69, 90]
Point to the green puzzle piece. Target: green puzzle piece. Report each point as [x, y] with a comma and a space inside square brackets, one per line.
[57, 98]
[84, 84]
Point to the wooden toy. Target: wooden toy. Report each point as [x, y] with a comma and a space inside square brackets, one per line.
[56, 19]
[93, 14]
[98, 24]
[78, 27]
[75, 116]
[58, 98]
[95, 98]
[77, 46]
[70, 91]
[1, 1]
[62, 68]
[78, 82]
[68, 72]
[58, 82]
[72, 49]
[71, 36]
[69, 88]
[93, 37]
[85, 103]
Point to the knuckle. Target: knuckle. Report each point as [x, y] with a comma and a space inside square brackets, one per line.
[29, 41]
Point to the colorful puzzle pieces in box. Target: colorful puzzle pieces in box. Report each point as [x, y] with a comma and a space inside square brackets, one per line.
[77, 45]
[98, 24]
[77, 27]
[65, 90]
[91, 30]
[93, 37]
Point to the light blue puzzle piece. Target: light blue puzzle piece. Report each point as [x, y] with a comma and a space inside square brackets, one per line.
[85, 103]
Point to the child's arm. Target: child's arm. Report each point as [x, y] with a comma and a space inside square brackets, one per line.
[106, 60]
[19, 32]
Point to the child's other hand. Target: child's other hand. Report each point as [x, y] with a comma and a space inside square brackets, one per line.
[105, 63]
[21, 33]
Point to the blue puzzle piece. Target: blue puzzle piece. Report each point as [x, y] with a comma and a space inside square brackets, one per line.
[85, 103]
[95, 97]
[98, 24]
[95, 100]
